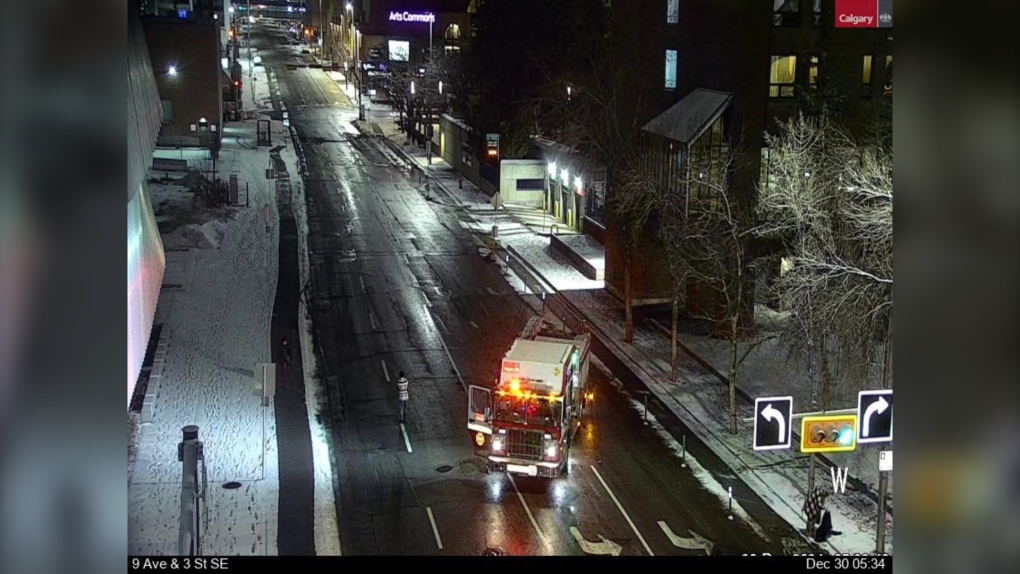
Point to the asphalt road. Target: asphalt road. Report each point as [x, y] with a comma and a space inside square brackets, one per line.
[398, 285]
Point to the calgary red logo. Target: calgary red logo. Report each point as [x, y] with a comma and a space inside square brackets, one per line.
[856, 13]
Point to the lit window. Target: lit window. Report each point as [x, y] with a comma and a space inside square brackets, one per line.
[782, 74]
[786, 12]
[866, 76]
[812, 77]
[670, 69]
[453, 32]
[673, 11]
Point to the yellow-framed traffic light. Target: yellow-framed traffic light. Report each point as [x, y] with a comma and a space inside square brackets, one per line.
[828, 433]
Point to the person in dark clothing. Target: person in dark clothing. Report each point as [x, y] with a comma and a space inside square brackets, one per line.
[284, 351]
[824, 530]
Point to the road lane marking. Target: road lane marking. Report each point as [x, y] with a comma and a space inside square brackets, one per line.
[385, 370]
[407, 441]
[447, 350]
[362, 280]
[491, 292]
[473, 324]
[527, 510]
[371, 317]
[695, 542]
[435, 530]
[442, 325]
[622, 511]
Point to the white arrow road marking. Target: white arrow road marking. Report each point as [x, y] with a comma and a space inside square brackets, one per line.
[407, 441]
[527, 511]
[604, 548]
[877, 407]
[695, 542]
[435, 530]
[622, 511]
[385, 371]
[772, 415]
[371, 317]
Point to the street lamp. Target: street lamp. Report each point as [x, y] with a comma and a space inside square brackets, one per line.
[171, 71]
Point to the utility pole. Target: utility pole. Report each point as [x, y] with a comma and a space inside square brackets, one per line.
[190, 452]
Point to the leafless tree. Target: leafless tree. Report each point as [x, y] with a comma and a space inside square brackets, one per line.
[829, 201]
[422, 88]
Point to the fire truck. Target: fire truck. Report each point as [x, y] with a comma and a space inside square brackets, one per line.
[526, 422]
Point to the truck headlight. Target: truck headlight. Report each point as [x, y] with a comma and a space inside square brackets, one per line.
[549, 444]
[497, 443]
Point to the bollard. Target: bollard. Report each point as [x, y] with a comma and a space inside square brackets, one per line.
[730, 504]
[646, 408]
[683, 451]
[189, 452]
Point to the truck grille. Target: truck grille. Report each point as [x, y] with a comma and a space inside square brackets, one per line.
[524, 443]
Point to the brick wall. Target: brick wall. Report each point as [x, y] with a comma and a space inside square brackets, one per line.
[196, 91]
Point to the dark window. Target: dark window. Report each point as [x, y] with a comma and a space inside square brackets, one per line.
[672, 11]
[530, 184]
[168, 111]
[595, 196]
[786, 12]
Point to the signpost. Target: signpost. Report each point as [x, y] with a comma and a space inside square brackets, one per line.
[875, 412]
[773, 423]
[265, 381]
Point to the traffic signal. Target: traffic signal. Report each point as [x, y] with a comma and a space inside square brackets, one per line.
[833, 433]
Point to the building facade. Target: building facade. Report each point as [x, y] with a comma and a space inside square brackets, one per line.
[186, 59]
[723, 72]
[146, 260]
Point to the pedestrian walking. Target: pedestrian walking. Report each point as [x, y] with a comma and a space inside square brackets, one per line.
[402, 385]
[284, 357]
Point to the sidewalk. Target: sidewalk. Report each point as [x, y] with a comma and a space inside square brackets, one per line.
[215, 310]
[699, 398]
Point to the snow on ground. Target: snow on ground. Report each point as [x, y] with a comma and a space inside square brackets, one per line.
[219, 325]
[551, 265]
[326, 527]
[208, 235]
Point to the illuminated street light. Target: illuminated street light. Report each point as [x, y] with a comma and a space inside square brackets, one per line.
[552, 170]
[349, 7]
[440, 87]
[412, 87]
[171, 71]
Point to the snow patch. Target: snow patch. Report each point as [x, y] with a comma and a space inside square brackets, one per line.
[208, 235]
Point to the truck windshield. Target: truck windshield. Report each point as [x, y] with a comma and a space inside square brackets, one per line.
[528, 411]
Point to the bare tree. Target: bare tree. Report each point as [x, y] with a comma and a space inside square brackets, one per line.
[829, 201]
